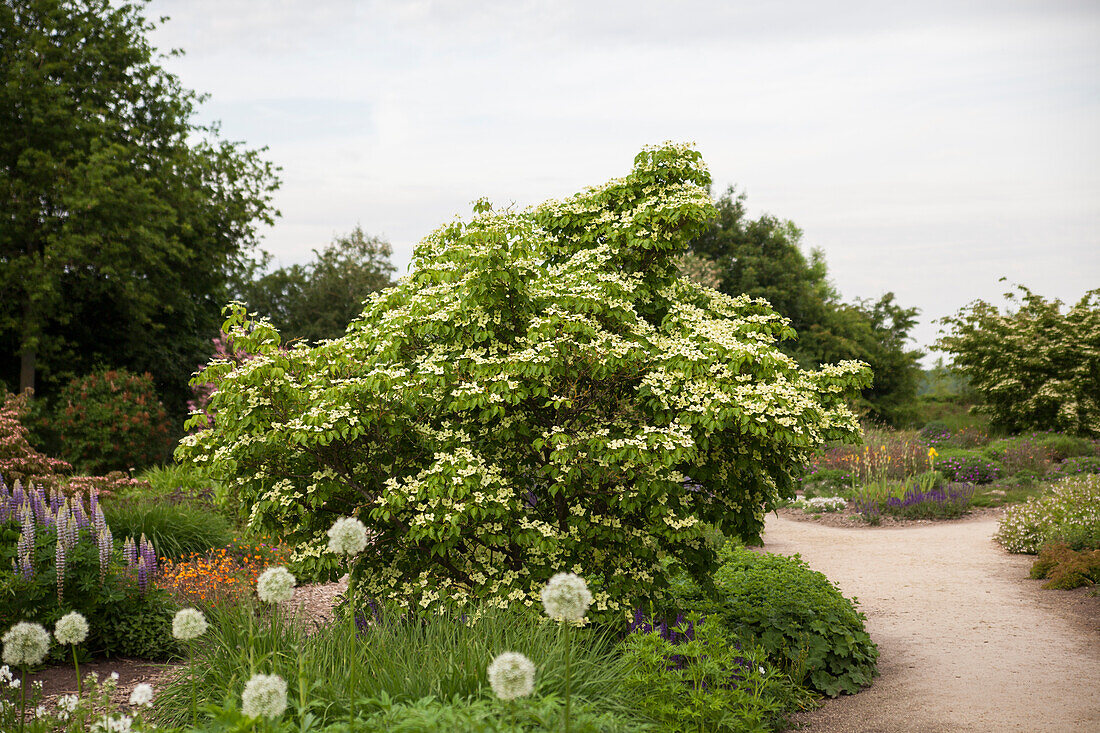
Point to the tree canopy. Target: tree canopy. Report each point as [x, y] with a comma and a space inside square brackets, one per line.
[763, 258]
[121, 214]
[543, 392]
[318, 300]
[1034, 367]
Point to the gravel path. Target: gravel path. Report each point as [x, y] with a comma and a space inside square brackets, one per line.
[967, 642]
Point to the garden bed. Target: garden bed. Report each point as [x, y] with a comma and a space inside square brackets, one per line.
[849, 518]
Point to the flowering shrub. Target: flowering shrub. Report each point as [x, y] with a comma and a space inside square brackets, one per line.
[57, 554]
[885, 455]
[1078, 465]
[219, 576]
[112, 420]
[1071, 503]
[544, 393]
[968, 467]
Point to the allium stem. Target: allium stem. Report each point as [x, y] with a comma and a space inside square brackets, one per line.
[23, 699]
[191, 664]
[568, 677]
[76, 666]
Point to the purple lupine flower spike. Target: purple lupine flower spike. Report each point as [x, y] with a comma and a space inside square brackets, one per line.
[18, 496]
[150, 555]
[142, 575]
[59, 558]
[24, 549]
[106, 545]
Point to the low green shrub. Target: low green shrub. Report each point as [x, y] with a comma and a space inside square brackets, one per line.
[176, 530]
[935, 432]
[967, 466]
[1062, 446]
[1072, 504]
[111, 420]
[714, 681]
[801, 619]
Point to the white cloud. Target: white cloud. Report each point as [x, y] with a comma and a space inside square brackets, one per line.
[928, 148]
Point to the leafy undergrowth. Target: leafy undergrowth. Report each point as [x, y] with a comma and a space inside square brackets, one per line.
[1066, 568]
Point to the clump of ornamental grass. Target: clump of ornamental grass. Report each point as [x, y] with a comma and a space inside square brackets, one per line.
[397, 655]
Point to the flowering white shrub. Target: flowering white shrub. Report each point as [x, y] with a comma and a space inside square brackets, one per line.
[72, 628]
[264, 696]
[25, 643]
[543, 393]
[275, 585]
[566, 597]
[189, 623]
[822, 504]
[1072, 502]
[511, 675]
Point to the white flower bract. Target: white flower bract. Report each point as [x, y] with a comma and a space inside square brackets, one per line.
[511, 675]
[264, 696]
[275, 585]
[566, 597]
[72, 628]
[141, 695]
[188, 624]
[347, 536]
[25, 644]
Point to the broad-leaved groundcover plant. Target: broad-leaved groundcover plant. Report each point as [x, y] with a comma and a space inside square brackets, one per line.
[543, 393]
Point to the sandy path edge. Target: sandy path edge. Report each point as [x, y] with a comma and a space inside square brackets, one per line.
[967, 642]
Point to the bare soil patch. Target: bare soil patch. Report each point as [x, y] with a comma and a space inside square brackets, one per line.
[968, 642]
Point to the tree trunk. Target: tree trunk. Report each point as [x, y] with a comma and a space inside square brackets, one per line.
[28, 352]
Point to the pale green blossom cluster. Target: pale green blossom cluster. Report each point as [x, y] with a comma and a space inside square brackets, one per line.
[1072, 503]
[542, 391]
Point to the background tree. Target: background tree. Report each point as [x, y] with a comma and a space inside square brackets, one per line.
[121, 215]
[1034, 367]
[764, 258]
[318, 300]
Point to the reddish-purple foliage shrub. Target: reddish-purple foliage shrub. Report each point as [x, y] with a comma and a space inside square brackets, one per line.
[1065, 567]
[111, 420]
[1027, 453]
[19, 461]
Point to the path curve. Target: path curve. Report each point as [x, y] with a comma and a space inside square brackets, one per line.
[967, 643]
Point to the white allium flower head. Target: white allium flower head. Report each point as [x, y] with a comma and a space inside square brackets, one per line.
[511, 675]
[188, 624]
[72, 628]
[142, 695]
[264, 696]
[275, 585]
[26, 643]
[347, 536]
[566, 597]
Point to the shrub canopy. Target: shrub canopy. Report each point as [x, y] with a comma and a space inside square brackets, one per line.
[542, 393]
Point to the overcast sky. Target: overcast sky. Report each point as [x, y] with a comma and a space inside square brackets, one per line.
[928, 148]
